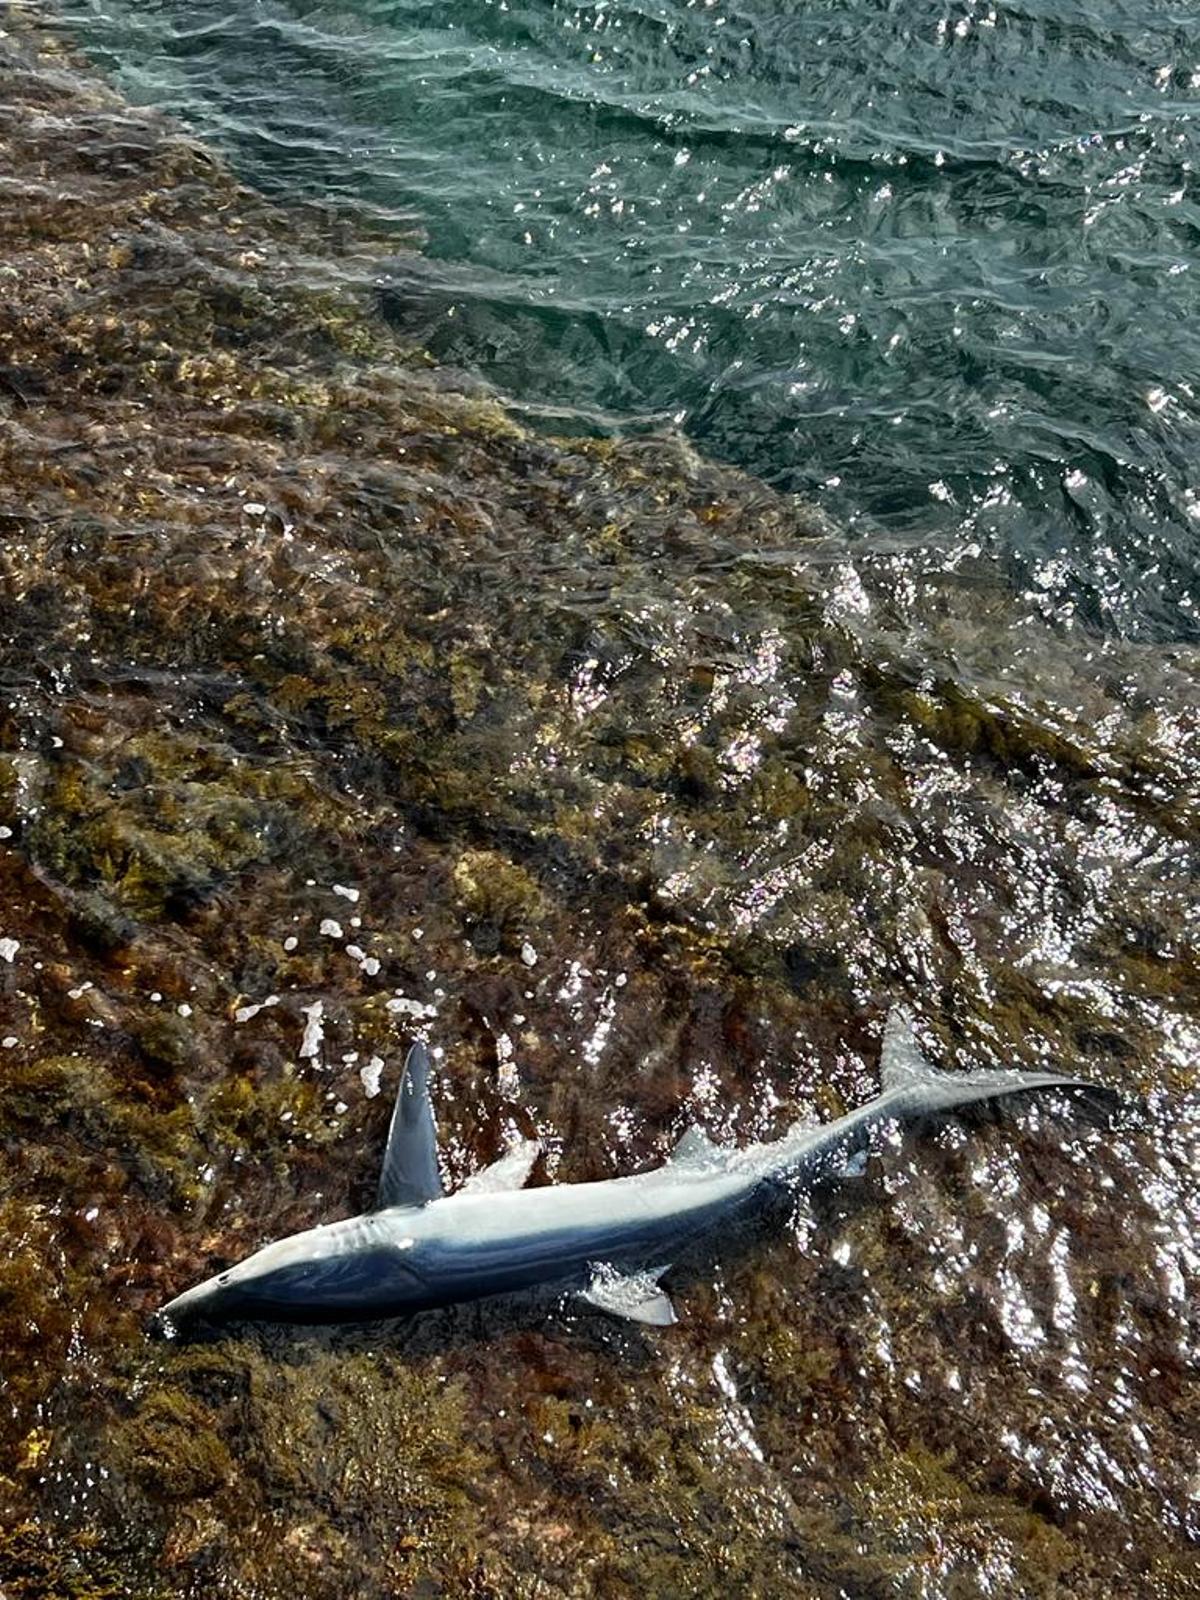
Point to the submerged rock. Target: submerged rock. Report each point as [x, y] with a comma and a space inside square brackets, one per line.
[282, 613]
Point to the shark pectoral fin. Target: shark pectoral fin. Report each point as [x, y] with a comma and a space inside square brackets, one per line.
[902, 1064]
[695, 1149]
[635, 1296]
[410, 1174]
[510, 1172]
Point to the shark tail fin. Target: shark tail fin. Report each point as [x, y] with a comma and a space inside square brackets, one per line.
[904, 1065]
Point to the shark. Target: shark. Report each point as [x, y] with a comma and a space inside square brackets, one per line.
[610, 1241]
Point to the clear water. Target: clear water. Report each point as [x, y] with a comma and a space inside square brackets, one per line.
[930, 263]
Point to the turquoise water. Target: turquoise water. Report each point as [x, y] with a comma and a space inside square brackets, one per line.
[930, 263]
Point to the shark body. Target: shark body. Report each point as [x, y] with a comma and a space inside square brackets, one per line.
[608, 1241]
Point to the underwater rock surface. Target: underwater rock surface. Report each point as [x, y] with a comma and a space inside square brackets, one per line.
[338, 705]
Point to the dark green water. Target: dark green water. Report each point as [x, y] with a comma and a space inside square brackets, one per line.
[931, 264]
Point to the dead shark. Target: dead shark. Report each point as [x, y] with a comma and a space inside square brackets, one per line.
[609, 1241]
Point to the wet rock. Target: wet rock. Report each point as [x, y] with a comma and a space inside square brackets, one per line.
[281, 610]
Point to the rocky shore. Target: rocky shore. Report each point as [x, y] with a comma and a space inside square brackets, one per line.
[336, 705]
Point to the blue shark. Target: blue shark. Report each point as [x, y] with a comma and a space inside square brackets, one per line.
[610, 1242]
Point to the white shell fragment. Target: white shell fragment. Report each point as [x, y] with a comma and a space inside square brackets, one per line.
[404, 1007]
[370, 1072]
[244, 1013]
[314, 1030]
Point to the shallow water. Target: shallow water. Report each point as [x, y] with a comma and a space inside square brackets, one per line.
[338, 705]
[932, 264]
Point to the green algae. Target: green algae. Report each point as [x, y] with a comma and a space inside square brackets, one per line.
[501, 902]
[35, 1325]
[171, 1447]
[919, 1510]
[34, 1565]
[122, 1125]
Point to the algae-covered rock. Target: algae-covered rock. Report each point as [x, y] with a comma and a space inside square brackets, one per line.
[35, 1562]
[340, 707]
[502, 904]
[170, 1447]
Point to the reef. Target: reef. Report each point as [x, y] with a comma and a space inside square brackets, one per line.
[337, 704]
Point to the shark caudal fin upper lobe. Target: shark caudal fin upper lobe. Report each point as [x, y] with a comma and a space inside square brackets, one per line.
[905, 1069]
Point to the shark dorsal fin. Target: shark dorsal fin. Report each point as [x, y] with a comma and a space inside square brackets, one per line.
[902, 1064]
[694, 1149]
[509, 1172]
[410, 1169]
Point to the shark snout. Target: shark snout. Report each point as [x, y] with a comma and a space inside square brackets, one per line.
[204, 1300]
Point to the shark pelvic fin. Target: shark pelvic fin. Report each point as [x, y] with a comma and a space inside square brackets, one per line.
[511, 1171]
[695, 1149]
[635, 1296]
[410, 1168]
[902, 1064]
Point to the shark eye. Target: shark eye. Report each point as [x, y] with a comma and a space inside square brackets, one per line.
[223, 1277]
